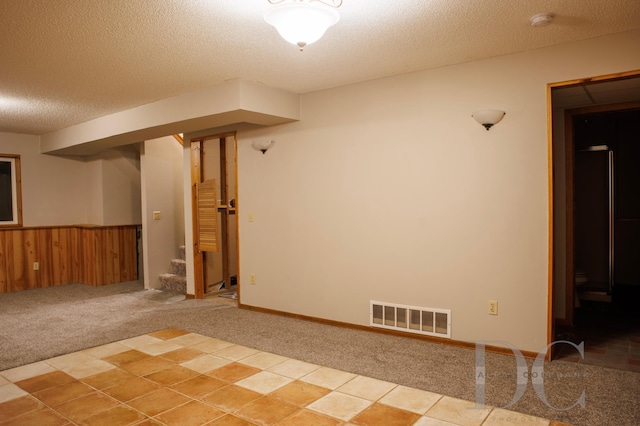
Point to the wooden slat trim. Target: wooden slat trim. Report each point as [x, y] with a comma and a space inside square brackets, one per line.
[90, 255]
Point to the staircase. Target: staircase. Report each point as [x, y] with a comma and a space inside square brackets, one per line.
[176, 280]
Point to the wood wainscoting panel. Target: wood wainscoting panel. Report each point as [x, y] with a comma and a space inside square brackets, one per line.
[92, 255]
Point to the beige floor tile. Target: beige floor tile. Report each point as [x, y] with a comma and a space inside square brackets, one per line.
[236, 352]
[458, 411]
[380, 414]
[231, 398]
[3, 381]
[159, 348]
[410, 399]
[340, 405]
[367, 388]
[428, 421]
[190, 339]
[499, 417]
[264, 382]
[107, 350]
[69, 360]
[136, 342]
[328, 377]
[266, 410]
[206, 363]
[210, 345]
[294, 368]
[27, 371]
[300, 393]
[263, 360]
[233, 372]
[194, 413]
[88, 368]
[11, 391]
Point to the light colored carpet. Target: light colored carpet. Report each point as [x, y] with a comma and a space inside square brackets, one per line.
[39, 324]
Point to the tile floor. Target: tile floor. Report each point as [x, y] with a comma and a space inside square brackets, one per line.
[174, 377]
[611, 337]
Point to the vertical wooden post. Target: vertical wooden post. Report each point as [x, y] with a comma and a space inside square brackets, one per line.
[224, 192]
[196, 177]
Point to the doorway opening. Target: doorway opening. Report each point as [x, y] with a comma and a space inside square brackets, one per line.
[596, 219]
[215, 225]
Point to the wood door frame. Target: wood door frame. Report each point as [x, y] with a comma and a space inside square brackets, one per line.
[569, 196]
[197, 176]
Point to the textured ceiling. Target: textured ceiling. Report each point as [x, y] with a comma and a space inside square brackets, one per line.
[64, 62]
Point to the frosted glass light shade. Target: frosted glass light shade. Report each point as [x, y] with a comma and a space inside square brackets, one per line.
[488, 117]
[301, 23]
[263, 145]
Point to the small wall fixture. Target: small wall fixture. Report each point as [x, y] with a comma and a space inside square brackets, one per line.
[488, 117]
[302, 22]
[263, 146]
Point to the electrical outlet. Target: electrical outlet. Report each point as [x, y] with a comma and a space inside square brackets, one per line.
[493, 307]
[157, 215]
[36, 266]
[251, 217]
[252, 278]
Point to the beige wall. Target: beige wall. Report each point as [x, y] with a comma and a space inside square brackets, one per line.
[99, 190]
[389, 190]
[53, 188]
[113, 187]
[161, 163]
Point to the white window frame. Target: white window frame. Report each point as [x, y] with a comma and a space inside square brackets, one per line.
[16, 192]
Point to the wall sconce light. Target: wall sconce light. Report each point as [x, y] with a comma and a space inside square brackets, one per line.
[302, 22]
[263, 146]
[488, 117]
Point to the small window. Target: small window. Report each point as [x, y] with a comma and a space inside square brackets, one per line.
[10, 194]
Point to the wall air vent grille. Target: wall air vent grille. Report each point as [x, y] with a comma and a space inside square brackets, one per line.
[412, 319]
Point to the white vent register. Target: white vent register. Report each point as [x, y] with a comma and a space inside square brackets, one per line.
[412, 319]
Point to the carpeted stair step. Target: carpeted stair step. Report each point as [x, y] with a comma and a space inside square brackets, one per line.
[182, 252]
[173, 282]
[179, 267]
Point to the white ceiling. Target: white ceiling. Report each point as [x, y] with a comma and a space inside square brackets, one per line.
[64, 62]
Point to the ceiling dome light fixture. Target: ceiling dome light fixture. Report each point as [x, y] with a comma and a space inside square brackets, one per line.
[541, 19]
[302, 22]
